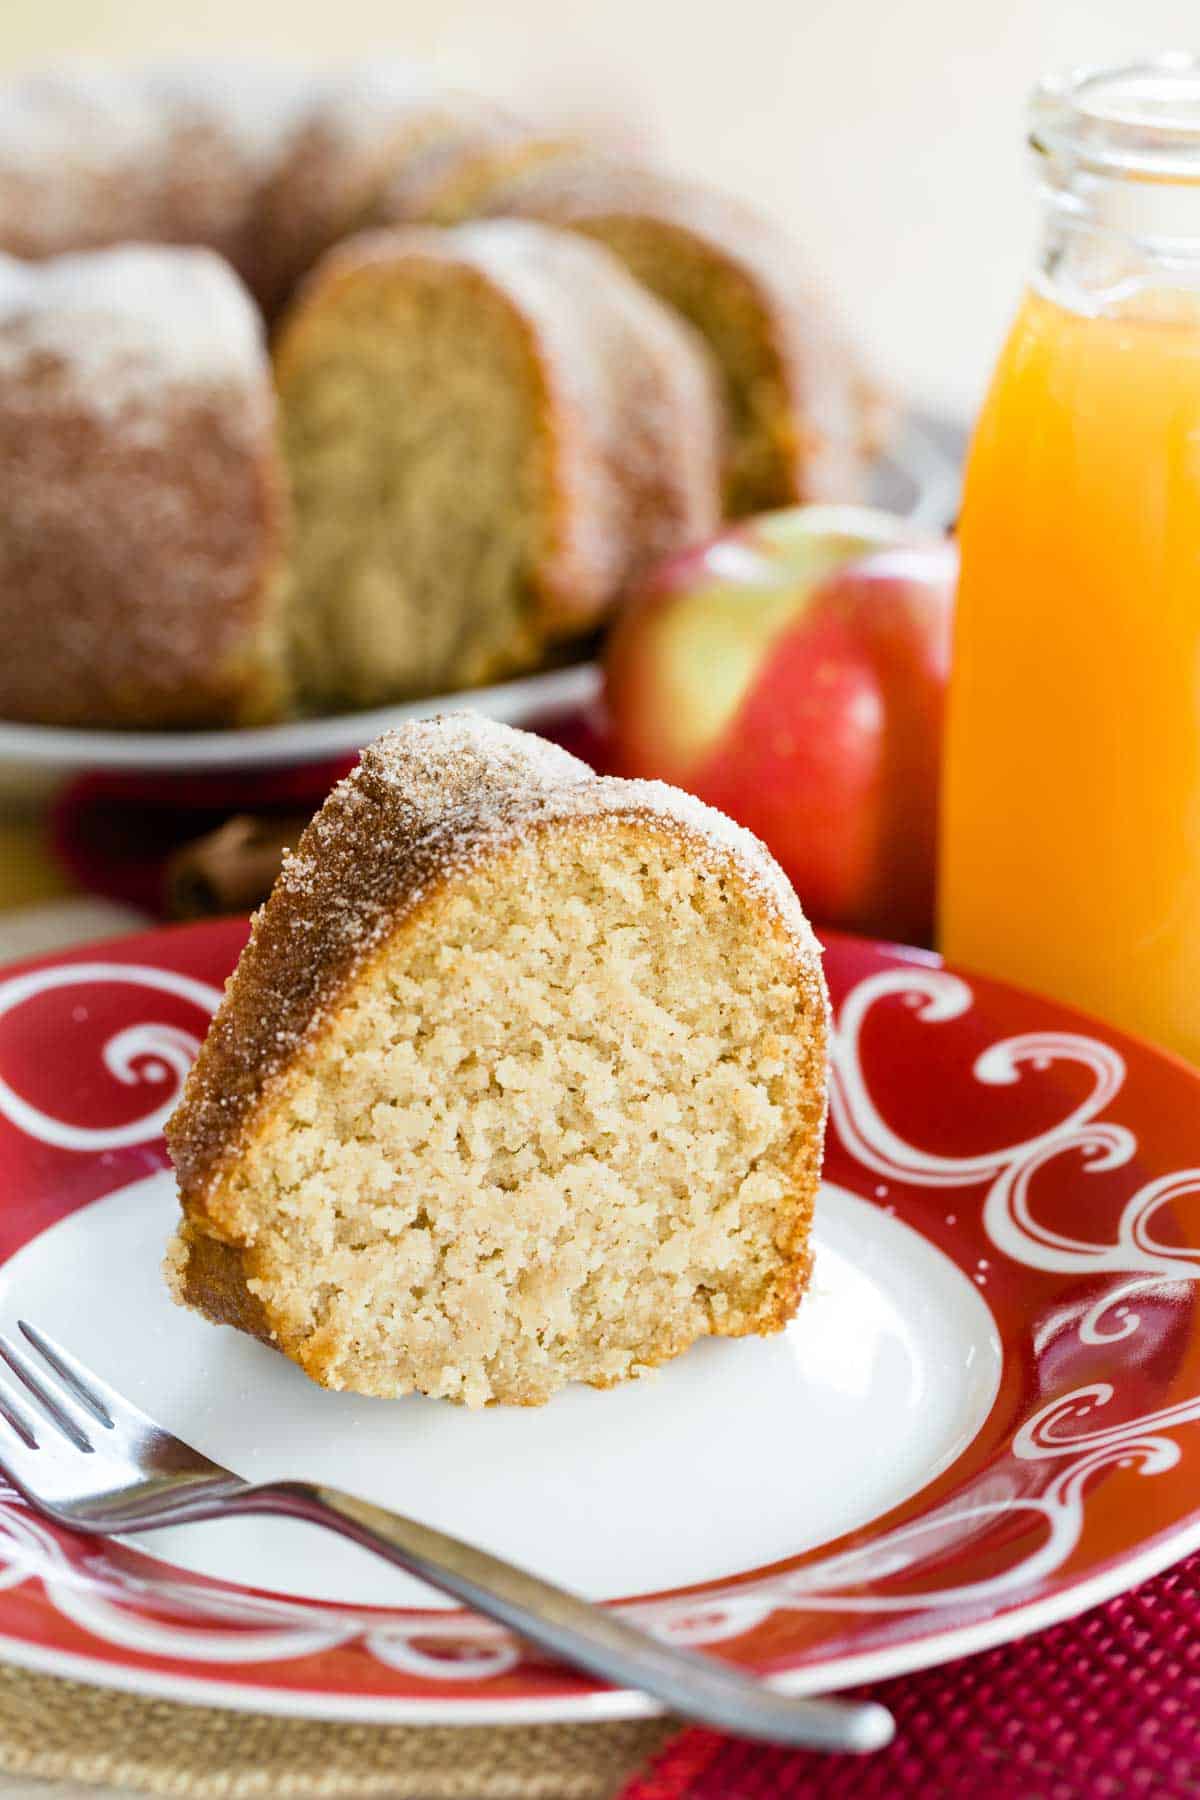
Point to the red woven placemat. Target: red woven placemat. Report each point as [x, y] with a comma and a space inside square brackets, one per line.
[1104, 1707]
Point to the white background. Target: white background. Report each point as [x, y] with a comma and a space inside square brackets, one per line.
[887, 131]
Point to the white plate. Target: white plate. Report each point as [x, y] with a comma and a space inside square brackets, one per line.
[888, 1371]
[281, 746]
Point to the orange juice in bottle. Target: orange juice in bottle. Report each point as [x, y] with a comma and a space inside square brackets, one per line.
[1071, 811]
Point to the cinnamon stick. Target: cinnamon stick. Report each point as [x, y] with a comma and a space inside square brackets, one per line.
[232, 869]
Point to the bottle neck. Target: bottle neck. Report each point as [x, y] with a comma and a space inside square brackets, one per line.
[1103, 249]
[1118, 165]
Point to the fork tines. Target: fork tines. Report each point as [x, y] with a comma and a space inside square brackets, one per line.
[61, 1395]
[14, 1414]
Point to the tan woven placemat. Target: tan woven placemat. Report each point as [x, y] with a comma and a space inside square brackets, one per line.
[65, 1730]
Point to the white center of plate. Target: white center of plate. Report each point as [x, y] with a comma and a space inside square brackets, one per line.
[739, 1454]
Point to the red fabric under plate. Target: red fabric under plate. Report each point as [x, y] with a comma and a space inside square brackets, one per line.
[1106, 1707]
[113, 833]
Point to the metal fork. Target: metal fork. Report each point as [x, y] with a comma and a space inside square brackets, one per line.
[91, 1461]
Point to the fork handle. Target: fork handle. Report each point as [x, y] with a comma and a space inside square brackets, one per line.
[574, 1630]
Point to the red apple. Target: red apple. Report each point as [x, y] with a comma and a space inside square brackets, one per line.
[792, 672]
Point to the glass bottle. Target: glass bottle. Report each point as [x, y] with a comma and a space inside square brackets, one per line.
[1070, 859]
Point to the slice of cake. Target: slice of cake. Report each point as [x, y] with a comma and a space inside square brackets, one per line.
[489, 432]
[801, 416]
[520, 1080]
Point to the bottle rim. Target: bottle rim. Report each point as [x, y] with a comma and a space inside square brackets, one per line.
[1138, 120]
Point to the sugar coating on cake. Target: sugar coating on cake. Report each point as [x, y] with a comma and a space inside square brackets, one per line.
[366, 102]
[43, 114]
[141, 504]
[264, 162]
[128, 111]
[92, 156]
[127, 324]
[520, 1081]
[257, 106]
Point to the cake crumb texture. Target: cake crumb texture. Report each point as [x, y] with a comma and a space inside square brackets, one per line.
[489, 434]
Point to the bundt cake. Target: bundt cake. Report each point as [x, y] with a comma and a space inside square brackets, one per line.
[800, 421]
[520, 1080]
[141, 501]
[488, 432]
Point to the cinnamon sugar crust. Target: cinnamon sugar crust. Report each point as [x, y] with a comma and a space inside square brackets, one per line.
[144, 576]
[142, 511]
